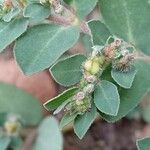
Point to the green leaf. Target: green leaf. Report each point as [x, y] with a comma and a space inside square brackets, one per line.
[100, 32]
[146, 113]
[11, 31]
[4, 142]
[143, 144]
[12, 14]
[36, 11]
[67, 118]
[129, 98]
[42, 45]
[14, 100]
[106, 98]
[2, 118]
[83, 7]
[16, 143]
[68, 72]
[49, 136]
[124, 79]
[83, 122]
[58, 100]
[129, 21]
[87, 43]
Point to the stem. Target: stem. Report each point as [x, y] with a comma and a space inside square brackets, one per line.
[68, 18]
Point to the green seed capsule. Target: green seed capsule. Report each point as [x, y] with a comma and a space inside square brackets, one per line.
[88, 65]
[95, 68]
[101, 60]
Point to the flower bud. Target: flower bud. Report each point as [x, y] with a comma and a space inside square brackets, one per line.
[90, 78]
[79, 102]
[95, 68]
[88, 65]
[101, 60]
[80, 96]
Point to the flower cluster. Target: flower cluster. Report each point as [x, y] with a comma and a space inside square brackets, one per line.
[117, 54]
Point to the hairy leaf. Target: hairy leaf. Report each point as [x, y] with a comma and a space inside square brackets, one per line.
[68, 72]
[100, 32]
[11, 31]
[82, 7]
[42, 45]
[36, 11]
[83, 122]
[124, 79]
[129, 98]
[57, 101]
[106, 98]
[66, 120]
[129, 21]
[143, 144]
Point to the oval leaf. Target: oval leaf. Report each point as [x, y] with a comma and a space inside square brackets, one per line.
[82, 7]
[4, 142]
[129, 21]
[13, 100]
[40, 47]
[129, 98]
[57, 101]
[83, 122]
[36, 11]
[68, 72]
[143, 144]
[106, 98]
[124, 79]
[49, 136]
[11, 31]
[66, 120]
[100, 32]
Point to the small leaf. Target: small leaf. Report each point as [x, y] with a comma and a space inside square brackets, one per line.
[16, 101]
[143, 144]
[68, 72]
[49, 136]
[61, 107]
[129, 98]
[66, 120]
[36, 11]
[11, 31]
[100, 32]
[83, 122]
[4, 142]
[12, 14]
[83, 7]
[87, 43]
[16, 143]
[40, 47]
[124, 79]
[106, 98]
[57, 101]
[2, 118]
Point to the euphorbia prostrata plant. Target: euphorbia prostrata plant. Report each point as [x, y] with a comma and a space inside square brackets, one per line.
[109, 80]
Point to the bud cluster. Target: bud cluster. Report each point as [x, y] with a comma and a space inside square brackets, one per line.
[115, 53]
[58, 8]
[8, 6]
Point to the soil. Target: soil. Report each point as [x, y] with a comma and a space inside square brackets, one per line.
[104, 136]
